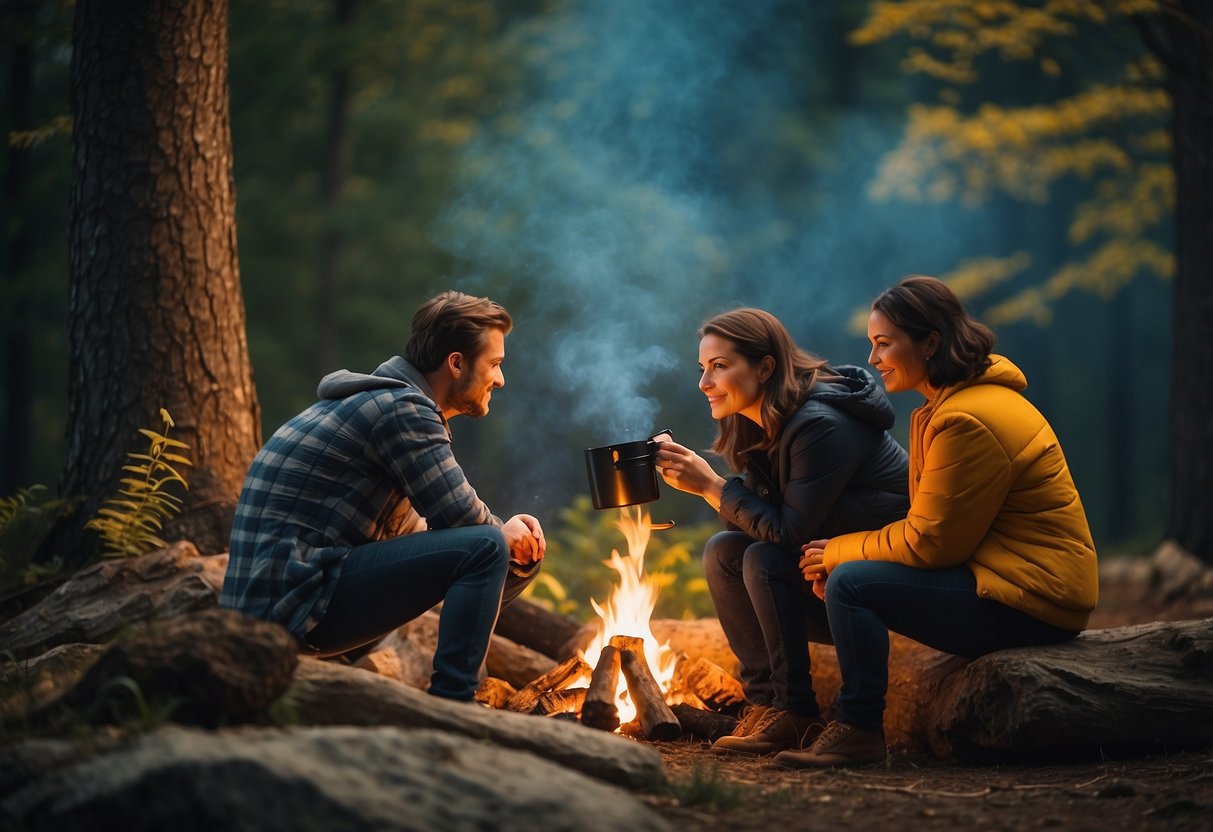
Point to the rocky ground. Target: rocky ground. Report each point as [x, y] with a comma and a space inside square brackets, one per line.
[1166, 791]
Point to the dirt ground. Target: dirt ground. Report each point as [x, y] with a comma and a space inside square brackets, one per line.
[1174, 791]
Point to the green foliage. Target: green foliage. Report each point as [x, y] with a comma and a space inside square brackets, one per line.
[575, 570]
[707, 788]
[26, 518]
[129, 525]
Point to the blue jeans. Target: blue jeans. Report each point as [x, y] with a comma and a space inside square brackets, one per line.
[937, 607]
[388, 583]
[769, 614]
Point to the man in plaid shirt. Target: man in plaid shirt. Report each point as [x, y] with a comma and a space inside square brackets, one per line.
[355, 517]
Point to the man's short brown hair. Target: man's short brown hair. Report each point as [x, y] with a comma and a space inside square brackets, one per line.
[452, 322]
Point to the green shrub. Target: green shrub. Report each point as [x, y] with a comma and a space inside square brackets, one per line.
[575, 570]
[26, 518]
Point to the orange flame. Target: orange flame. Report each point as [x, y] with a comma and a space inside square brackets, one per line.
[629, 608]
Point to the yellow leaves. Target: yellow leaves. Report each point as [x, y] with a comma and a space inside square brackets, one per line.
[945, 155]
[129, 526]
[1127, 207]
[956, 33]
[1104, 273]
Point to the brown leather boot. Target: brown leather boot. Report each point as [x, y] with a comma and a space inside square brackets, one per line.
[776, 730]
[751, 715]
[838, 745]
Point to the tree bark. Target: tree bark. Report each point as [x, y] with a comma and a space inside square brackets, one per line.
[598, 710]
[1191, 80]
[156, 317]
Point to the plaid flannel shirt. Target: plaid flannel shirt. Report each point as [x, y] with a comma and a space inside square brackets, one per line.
[347, 471]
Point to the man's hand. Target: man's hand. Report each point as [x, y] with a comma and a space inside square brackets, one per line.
[525, 538]
[812, 565]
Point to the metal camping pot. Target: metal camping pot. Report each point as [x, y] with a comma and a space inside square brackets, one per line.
[624, 474]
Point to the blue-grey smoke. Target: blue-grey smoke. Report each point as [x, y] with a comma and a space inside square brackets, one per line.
[666, 160]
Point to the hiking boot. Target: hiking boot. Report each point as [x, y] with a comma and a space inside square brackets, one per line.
[751, 715]
[838, 745]
[775, 730]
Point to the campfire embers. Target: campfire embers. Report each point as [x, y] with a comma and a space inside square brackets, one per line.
[625, 680]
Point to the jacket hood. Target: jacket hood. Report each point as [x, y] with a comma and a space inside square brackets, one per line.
[856, 391]
[1001, 371]
[396, 372]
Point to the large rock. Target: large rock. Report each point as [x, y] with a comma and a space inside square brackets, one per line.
[325, 693]
[305, 780]
[215, 667]
[96, 603]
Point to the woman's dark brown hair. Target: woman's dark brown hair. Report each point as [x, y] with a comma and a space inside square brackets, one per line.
[920, 305]
[755, 334]
[452, 322]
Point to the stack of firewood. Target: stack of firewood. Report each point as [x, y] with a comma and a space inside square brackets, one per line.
[702, 701]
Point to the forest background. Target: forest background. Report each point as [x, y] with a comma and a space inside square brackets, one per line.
[615, 171]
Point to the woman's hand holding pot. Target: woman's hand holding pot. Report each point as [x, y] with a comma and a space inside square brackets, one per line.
[687, 471]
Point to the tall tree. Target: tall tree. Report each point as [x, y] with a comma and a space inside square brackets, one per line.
[1187, 51]
[156, 317]
[1113, 132]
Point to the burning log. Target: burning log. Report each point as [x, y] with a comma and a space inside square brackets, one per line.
[707, 681]
[560, 676]
[654, 714]
[599, 709]
[566, 701]
[494, 693]
[707, 725]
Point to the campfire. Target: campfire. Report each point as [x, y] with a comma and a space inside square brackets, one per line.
[626, 680]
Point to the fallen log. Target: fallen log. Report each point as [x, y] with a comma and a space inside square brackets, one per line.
[560, 676]
[656, 718]
[599, 709]
[526, 623]
[1141, 689]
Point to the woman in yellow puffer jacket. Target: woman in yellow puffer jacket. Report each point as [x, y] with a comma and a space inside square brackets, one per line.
[995, 551]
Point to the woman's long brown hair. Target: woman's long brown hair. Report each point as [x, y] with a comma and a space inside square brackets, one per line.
[755, 334]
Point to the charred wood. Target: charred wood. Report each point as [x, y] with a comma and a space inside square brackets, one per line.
[566, 701]
[526, 623]
[706, 725]
[599, 709]
[494, 693]
[560, 676]
[718, 690]
[656, 718]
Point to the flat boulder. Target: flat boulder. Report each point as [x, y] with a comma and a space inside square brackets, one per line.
[305, 780]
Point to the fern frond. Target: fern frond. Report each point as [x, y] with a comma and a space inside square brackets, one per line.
[129, 526]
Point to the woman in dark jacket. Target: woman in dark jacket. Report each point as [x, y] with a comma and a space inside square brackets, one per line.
[812, 442]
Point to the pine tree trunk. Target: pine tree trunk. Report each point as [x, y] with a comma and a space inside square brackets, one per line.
[156, 316]
[1191, 37]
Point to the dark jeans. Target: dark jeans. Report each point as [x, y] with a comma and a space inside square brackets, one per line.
[937, 607]
[390, 582]
[769, 614]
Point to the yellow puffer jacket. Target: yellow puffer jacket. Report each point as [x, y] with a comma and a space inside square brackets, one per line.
[990, 488]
